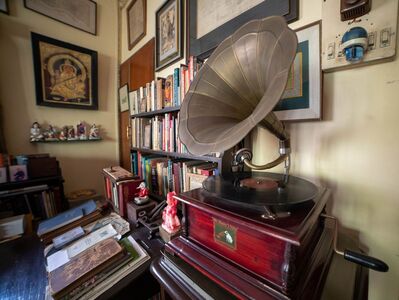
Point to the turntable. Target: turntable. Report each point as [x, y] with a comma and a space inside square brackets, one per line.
[258, 235]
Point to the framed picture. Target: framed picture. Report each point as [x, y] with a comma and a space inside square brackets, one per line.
[169, 36]
[4, 6]
[136, 21]
[124, 98]
[302, 96]
[209, 22]
[65, 74]
[194, 181]
[81, 14]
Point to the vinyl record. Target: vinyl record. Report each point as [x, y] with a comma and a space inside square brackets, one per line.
[259, 189]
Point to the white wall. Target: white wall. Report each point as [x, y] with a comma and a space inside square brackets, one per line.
[81, 163]
[353, 150]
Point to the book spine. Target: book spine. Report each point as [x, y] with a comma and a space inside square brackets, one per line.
[176, 92]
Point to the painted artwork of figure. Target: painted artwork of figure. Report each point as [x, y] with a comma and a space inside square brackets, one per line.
[170, 222]
[67, 81]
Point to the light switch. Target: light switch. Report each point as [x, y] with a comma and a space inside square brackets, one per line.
[371, 40]
[331, 51]
[385, 38]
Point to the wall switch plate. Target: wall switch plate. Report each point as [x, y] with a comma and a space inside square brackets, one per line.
[380, 23]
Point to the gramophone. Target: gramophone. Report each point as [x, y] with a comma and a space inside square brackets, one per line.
[258, 235]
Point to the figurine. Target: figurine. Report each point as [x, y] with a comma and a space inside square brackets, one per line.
[143, 195]
[51, 133]
[81, 131]
[64, 133]
[94, 132]
[36, 132]
[170, 222]
[71, 134]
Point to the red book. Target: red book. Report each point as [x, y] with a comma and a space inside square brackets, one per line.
[127, 190]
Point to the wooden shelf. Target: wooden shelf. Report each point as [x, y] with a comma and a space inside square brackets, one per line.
[178, 155]
[156, 112]
[66, 141]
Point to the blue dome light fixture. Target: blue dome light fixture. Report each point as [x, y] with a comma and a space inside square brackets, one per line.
[354, 43]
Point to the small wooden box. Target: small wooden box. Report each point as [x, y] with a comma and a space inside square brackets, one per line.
[133, 209]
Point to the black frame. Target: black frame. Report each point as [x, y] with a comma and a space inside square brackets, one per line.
[7, 11]
[36, 39]
[204, 46]
[95, 13]
[159, 65]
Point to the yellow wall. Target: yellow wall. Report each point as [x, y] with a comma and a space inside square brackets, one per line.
[81, 163]
[353, 151]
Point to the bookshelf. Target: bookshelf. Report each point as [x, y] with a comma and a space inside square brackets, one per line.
[42, 197]
[157, 154]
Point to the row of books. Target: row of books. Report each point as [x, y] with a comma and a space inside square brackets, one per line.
[86, 254]
[41, 201]
[163, 174]
[164, 92]
[157, 133]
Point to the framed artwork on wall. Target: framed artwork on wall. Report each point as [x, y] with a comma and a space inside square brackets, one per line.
[4, 6]
[81, 14]
[65, 74]
[136, 21]
[301, 99]
[169, 34]
[124, 98]
[209, 22]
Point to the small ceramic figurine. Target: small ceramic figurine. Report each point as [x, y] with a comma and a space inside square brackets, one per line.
[170, 222]
[143, 195]
[81, 131]
[71, 134]
[64, 133]
[36, 132]
[94, 132]
[51, 133]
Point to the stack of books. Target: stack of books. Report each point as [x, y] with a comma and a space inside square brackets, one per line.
[163, 174]
[67, 220]
[88, 259]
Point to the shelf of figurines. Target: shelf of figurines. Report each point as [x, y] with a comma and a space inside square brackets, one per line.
[67, 134]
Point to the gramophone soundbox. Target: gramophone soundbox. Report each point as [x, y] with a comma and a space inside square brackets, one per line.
[251, 256]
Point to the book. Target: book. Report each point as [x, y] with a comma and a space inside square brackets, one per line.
[63, 279]
[68, 237]
[160, 87]
[168, 97]
[118, 223]
[12, 226]
[59, 220]
[106, 279]
[65, 255]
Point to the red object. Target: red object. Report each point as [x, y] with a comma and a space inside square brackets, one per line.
[278, 252]
[127, 190]
[170, 222]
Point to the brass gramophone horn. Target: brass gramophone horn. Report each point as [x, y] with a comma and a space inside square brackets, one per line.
[238, 87]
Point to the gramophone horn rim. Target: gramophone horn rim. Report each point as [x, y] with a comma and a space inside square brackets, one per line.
[228, 137]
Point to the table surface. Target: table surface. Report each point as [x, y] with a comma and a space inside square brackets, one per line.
[23, 275]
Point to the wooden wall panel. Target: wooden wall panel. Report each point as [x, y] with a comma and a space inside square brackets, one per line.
[136, 71]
